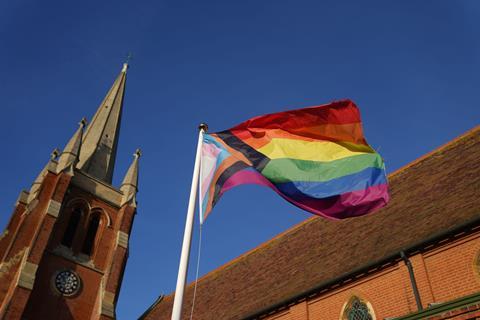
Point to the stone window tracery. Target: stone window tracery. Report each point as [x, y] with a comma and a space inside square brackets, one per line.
[357, 309]
[84, 229]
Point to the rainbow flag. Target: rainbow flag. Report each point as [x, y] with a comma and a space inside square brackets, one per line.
[316, 158]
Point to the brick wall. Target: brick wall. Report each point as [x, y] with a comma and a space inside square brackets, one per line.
[451, 269]
[46, 303]
[443, 273]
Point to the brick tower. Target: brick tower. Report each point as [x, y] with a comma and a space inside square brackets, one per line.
[64, 251]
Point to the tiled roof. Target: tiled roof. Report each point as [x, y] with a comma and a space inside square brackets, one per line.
[432, 195]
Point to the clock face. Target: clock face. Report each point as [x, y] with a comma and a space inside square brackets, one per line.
[67, 282]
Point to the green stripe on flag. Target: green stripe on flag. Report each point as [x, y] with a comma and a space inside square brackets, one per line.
[286, 170]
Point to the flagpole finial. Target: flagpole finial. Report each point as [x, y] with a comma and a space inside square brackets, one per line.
[203, 127]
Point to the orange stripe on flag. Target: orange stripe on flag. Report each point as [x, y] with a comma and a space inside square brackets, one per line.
[257, 138]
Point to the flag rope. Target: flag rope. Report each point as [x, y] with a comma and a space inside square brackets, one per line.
[197, 271]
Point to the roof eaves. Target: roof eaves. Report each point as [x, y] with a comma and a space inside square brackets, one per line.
[386, 261]
[154, 304]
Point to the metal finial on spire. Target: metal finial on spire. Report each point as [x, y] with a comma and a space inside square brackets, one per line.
[83, 122]
[138, 153]
[55, 153]
[129, 57]
[127, 61]
[203, 126]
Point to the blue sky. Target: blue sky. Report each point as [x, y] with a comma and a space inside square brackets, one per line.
[412, 67]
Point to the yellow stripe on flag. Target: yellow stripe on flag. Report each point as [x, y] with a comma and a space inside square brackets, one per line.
[280, 148]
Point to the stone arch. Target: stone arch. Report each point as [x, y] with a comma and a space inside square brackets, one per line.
[357, 308]
[78, 201]
[104, 215]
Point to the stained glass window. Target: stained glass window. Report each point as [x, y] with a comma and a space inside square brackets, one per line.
[358, 310]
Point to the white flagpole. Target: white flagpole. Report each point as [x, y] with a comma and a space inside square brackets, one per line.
[187, 236]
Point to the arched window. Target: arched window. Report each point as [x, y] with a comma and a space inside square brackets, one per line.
[71, 229]
[476, 263]
[90, 236]
[357, 310]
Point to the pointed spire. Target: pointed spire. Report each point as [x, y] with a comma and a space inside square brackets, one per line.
[130, 182]
[50, 166]
[69, 156]
[99, 146]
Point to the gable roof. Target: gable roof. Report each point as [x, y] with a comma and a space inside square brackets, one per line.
[432, 195]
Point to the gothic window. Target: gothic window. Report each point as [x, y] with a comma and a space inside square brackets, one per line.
[476, 264]
[357, 310]
[73, 222]
[91, 235]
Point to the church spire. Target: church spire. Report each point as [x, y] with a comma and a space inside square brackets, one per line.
[130, 181]
[99, 145]
[69, 156]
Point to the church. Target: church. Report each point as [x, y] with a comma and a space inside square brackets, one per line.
[64, 251]
[65, 248]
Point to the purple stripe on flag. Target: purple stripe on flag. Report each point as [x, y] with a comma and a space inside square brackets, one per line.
[340, 207]
[350, 204]
[246, 176]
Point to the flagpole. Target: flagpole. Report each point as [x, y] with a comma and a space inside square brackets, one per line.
[187, 236]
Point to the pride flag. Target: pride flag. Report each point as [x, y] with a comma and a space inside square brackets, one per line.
[316, 158]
